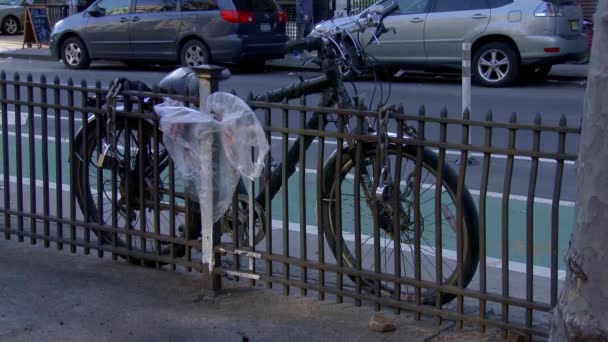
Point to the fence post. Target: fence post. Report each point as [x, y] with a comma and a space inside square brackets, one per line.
[209, 77]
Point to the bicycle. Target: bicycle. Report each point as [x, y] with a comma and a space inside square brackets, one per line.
[375, 191]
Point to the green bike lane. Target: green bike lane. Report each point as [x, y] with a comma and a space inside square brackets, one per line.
[517, 209]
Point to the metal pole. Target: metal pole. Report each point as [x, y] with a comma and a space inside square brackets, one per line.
[466, 78]
[208, 81]
[466, 90]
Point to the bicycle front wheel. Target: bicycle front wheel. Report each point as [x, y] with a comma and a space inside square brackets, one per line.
[380, 253]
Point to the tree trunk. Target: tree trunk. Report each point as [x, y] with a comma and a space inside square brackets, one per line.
[582, 311]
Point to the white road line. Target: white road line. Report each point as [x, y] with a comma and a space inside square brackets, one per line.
[454, 152]
[37, 137]
[491, 194]
[24, 116]
[39, 183]
[514, 266]
[295, 227]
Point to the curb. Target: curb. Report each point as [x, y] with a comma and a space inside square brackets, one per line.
[30, 56]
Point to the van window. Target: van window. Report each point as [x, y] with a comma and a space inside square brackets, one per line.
[150, 6]
[199, 5]
[260, 5]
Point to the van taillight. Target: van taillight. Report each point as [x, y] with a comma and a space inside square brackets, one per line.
[281, 17]
[238, 17]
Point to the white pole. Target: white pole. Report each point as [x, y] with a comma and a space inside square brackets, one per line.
[466, 80]
[204, 87]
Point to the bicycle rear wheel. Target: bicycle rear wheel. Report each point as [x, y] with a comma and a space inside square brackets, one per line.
[137, 190]
[378, 253]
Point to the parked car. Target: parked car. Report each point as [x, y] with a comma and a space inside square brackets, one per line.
[12, 13]
[509, 37]
[189, 32]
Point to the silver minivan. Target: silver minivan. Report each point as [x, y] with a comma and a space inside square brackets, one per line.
[510, 38]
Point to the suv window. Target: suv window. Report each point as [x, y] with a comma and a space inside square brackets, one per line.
[114, 7]
[199, 5]
[459, 5]
[500, 3]
[412, 6]
[260, 5]
[150, 6]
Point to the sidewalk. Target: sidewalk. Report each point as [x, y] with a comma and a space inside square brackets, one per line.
[48, 295]
[10, 47]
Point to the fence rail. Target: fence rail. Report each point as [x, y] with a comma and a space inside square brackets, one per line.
[317, 229]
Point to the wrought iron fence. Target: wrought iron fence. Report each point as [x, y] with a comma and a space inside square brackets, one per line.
[318, 227]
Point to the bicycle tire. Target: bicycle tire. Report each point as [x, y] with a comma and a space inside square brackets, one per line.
[470, 234]
[87, 156]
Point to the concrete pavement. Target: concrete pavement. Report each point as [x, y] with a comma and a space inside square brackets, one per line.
[49, 295]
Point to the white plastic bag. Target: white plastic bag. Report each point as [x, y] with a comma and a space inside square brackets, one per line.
[213, 146]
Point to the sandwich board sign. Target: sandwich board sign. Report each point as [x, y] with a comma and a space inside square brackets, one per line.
[37, 27]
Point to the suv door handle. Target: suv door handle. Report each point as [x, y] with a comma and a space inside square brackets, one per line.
[123, 19]
[416, 20]
[479, 16]
[135, 19]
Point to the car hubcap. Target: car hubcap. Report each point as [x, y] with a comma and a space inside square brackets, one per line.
[11, 26]
[195, 56]
[73, 54]
[493, 66]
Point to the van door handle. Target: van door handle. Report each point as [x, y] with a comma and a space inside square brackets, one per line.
[479, 16]
[123, 19]
[416, 20]
[135, 19]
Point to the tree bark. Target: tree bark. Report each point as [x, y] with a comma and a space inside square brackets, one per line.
[582, 310]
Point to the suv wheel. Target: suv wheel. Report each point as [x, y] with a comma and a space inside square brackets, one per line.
[194, 53]
[10, 26]
[74, 54]
[495, 65]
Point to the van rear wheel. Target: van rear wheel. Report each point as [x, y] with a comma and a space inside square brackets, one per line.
[194, 53]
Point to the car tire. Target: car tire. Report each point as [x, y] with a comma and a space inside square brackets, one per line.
[194, 53]
[495, 65]
[74, 54]
[10, 25]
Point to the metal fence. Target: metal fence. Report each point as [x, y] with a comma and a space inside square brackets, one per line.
[317, 228]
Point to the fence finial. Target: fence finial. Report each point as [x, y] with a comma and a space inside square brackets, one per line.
[537, 119]
[489, 115]
[444, 112]
[563, 122]
[513, 118]
[56, 80]
[422, 110]
[2, 75]
[466, 115]
[43, 78]
[29, 78]
[16, 76]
